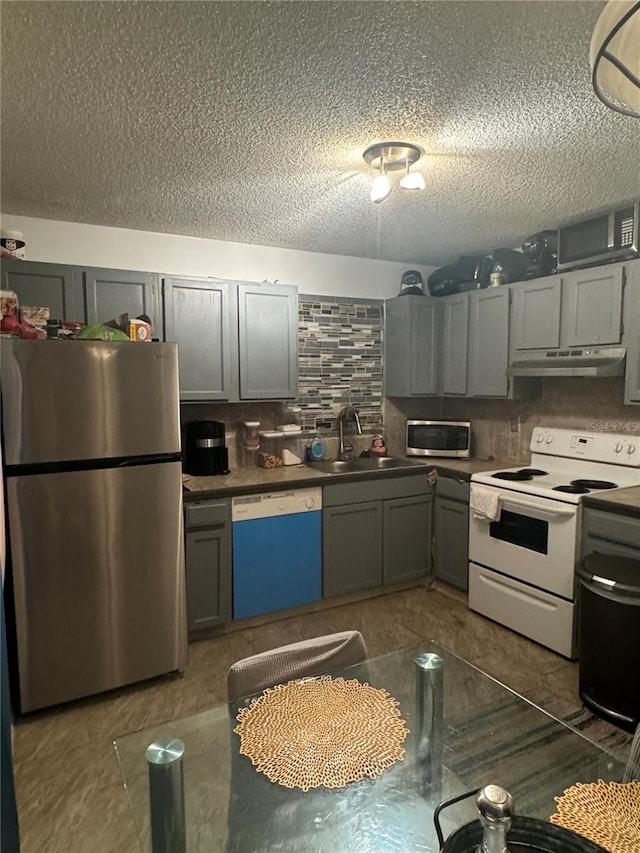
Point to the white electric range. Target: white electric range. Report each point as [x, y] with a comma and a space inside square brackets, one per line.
[521, 563]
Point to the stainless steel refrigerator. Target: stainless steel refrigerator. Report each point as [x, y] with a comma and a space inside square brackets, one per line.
[93, 482]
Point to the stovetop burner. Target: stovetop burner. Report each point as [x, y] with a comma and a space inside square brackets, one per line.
[594, 484]
[512, 475]
[522, 474]
[571, 490]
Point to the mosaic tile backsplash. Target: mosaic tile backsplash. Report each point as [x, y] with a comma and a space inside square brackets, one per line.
[339, 359]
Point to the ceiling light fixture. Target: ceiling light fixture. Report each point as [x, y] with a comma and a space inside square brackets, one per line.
[615, 57]
[389, 157]
[411, 180]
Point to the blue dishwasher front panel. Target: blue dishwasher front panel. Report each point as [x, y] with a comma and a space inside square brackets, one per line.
[277, 563]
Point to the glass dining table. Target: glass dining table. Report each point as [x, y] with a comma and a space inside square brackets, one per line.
[489, 735]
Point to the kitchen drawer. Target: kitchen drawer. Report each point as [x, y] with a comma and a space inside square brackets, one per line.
[207, 513]
[457, 490]
[376, 490]
[615, 528]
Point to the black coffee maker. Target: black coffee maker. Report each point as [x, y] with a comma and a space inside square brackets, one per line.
[205, 451]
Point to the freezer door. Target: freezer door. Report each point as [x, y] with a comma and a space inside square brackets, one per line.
[97, 562]
[64, 401]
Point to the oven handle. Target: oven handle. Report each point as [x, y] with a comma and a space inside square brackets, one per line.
[560, 513]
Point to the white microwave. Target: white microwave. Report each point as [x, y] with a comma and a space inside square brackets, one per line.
[439, 438]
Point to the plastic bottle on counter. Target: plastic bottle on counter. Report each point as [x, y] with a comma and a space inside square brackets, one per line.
[318, 448]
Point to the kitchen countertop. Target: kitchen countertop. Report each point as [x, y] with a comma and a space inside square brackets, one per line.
[243, 481]
[623, 501]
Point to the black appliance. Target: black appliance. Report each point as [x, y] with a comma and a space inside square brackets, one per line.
[541, 251]
[612, 236]
[609, 637]
[205, 451]
[470, 272]
[510, 264]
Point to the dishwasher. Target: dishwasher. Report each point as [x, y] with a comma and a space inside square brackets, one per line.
[277, 551]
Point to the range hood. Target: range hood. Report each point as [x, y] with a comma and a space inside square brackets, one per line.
[589, 361]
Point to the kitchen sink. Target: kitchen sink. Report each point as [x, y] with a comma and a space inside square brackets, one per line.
[361, 463]
[375, 463]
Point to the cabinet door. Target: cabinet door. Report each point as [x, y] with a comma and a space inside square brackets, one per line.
[55, 286]
[489, 343]
[592, 311]
[424, 339]
[451, 539]
[455, 344]
[198, 316]
[351, 547]
[110, 293]
[410, 346]
[631, 332]
[535, 314]
[406, 538]
[268, 341]
[208, 567]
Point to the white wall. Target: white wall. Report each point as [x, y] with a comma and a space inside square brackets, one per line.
[121, 248]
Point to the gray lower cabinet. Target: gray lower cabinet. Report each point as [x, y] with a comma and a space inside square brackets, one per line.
[451, 532]
[606, 532]
[56, 286]
[489, 342]
[351, 547]
[199, 315]
[208, 561]
[375, 532]
[268, 341]
[110, 293]
[411, 346]
[406, 538]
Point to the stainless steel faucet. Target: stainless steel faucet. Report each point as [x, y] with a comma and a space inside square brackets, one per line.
[345, 448]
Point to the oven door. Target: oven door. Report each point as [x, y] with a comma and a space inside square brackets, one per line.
[534, 540]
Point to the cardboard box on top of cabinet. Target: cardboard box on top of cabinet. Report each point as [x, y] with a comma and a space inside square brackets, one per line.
[139, 330]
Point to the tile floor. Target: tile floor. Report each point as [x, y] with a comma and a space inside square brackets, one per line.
[70, 796]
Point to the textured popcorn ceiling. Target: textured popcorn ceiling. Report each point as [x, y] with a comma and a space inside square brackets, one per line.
[246, 121]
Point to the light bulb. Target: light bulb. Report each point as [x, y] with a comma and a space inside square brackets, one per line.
[380, 188]
[412, 181]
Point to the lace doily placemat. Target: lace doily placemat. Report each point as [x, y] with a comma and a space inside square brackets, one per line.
[322, 731]
[605, 812]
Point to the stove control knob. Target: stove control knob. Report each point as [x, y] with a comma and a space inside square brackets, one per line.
[309, 503]
[539, 437]
[631, 449]
[618, 446]
[549, 439]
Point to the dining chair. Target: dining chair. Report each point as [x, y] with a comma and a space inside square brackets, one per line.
[314, 656]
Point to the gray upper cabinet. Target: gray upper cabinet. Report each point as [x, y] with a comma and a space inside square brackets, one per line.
[535, 314]
[454, 347]
[56, 286]
[631, 333]
[411, 344]
[199, 315]
[110, 293]
[592, 306]
[489, 342]
[268, 341]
